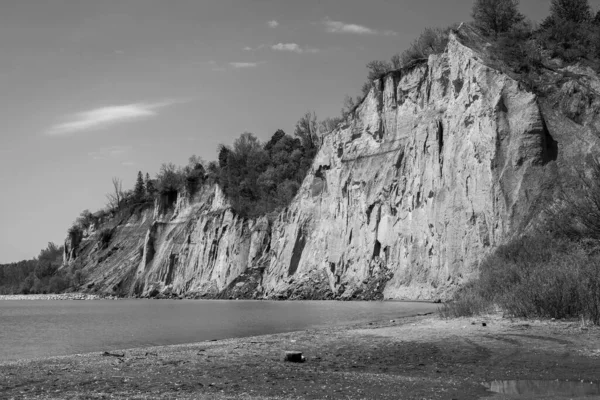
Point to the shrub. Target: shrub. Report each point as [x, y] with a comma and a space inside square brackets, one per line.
[466, 304]
[377, 69]
[58, 284]
[77, 278]
[570, 40]
[328, 125]
[350, 105]
[75, 231]
[539, 276]
[431, 41]
[85, 219]
[104, 237]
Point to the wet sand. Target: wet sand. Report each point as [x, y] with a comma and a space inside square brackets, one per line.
[411, 358]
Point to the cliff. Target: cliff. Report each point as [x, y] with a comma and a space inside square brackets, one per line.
[440, 163]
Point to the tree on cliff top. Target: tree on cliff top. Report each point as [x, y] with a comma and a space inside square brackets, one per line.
[169, 179]
[149, 186]
[496, 16]
[138, 191]
[430, 41]
[116, 198]
[307, 130]
[578, 11]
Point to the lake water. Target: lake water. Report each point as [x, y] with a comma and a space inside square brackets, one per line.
[30, 329]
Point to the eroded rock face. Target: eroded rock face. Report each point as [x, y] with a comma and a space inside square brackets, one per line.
[439, 165]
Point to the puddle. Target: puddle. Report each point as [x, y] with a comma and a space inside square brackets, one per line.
[541, 388]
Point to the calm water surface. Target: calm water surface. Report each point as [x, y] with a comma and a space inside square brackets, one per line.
[30, 329]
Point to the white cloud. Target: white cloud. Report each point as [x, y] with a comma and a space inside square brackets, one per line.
[128, 163]
[293, 47]
[273, 24]
[239, 65]
[248, 48]
[287, 47]
[342, 27]
[103, 117]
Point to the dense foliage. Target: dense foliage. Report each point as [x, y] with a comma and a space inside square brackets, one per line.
[257, 178]
[569, 34]
[260, 178]
[496, 16]
[578, 11]
[39, 275]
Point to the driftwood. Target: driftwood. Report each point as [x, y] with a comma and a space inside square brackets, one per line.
[107, 354]
[294, 356]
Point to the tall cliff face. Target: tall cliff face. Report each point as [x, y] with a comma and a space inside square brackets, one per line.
[440, 164]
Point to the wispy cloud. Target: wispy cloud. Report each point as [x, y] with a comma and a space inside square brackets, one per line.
[343, 27]
[293, 47]
[106, 153]
[240, 65]
[273, 24]
[248, 48]
[216, 67]
[104, 117]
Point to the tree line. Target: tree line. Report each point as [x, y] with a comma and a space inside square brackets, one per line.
[39, 275]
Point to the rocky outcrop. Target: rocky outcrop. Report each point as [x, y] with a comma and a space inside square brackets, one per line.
[440, 164]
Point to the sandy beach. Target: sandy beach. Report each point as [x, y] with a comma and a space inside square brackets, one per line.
[422, 357]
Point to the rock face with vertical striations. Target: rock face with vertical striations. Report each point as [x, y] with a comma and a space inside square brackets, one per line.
[441, 163]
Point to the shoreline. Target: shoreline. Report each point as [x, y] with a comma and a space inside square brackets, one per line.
[86, 296]
[59, 296]
[419, 357]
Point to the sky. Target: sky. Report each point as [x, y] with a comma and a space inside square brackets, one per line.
[95, 89]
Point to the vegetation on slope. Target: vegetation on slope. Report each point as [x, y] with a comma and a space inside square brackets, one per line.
[39, 275]
[571, 33]
[546, 274]
[257, 178]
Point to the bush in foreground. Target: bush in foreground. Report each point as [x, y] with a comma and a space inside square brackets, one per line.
[554, 273]
[540, 276]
